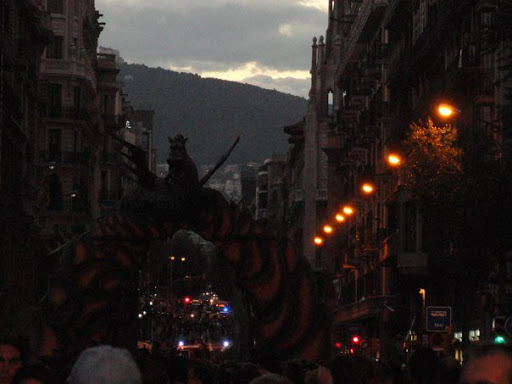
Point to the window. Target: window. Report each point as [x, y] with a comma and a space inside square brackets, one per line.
[54, 193]
[55, 6]
[75, 142]
[77, 98]
[4, 19]
[55, 100]
[54, 145]
[145, 141]
[54, 48]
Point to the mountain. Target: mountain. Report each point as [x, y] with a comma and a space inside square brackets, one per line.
[212, 113]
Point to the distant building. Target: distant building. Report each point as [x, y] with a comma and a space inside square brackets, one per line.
[270, 193]
[248, 186]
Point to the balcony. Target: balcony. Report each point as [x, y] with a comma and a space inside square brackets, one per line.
[108, 196]
[114, 122]
[412, 263]
[67, 203]
[107, 158]
[62, 157]
[363, 309]
[67, 113]
[321, 194]
[364, 26]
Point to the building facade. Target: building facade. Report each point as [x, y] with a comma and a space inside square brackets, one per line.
[61, 110]
[24, 32]
[383, 65]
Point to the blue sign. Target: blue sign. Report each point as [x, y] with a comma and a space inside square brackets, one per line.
[439, 318]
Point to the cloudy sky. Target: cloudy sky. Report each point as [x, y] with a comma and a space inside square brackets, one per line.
[261, 42]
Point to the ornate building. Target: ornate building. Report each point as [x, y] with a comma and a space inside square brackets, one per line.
[61, 167]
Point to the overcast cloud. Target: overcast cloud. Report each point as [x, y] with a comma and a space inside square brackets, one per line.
[261, 42]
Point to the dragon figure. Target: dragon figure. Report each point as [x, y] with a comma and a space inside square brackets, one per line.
[93, 299]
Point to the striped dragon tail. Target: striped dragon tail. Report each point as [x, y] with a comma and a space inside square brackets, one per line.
[93, 298]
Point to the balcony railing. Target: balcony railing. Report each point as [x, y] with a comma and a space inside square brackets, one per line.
[114, 121]
[109, 195]
[365, 308]
[68, 203]
[69, 113]
[62, 157]
[109, 158]
[321, 194]
[363, 13]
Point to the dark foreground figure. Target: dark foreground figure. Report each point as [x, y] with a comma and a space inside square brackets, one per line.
[106, 364]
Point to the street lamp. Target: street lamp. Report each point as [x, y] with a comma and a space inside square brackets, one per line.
[348, 210]
[367, 188]
[446, 110]
[340, 218]
[318, 241]
[394, 160]
[328, 229]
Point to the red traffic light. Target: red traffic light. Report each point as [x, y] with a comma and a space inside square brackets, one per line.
[337, 345]
[186, 299]
[355, 339]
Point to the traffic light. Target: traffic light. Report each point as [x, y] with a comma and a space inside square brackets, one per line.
[186, 300]
[355, 340]
[499, 339]
[499, 334]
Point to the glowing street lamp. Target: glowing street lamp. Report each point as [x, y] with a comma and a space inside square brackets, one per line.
[394, 160]
[340, 218]
[348, 210]
[318, 241]
[446, 110]
[367, 188]
[328, 229]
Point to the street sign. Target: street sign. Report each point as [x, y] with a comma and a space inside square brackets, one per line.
[438, 318]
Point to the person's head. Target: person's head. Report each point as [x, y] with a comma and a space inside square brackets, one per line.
[104, 364]
[181, 370]
[351, 369]
[296, 369]
[271, 378]
[489, 364]
[240, 372]
[152, 367]
[449, 370]
[34, 374]
[423, 365]
[12, 357]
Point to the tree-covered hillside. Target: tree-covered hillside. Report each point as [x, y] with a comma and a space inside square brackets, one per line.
[212, 113]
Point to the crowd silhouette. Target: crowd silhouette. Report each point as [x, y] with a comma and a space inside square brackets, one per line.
[486, 363]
